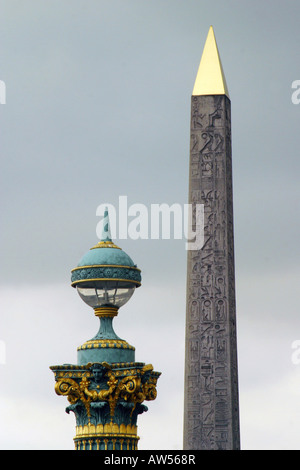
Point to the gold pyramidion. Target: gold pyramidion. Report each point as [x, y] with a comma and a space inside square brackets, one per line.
[210, 78]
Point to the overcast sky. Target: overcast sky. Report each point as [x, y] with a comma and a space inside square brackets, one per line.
[98, 106]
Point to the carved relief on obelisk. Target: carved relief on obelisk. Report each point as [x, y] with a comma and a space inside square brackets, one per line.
[211, 409]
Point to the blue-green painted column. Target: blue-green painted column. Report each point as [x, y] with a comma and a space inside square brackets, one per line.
[106, 389]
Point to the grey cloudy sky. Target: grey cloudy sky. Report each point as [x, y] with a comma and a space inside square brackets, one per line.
[98, 106]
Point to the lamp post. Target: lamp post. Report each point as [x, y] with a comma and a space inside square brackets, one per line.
[106, 388]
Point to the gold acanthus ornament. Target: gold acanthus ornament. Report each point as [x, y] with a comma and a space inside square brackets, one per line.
[134, 388]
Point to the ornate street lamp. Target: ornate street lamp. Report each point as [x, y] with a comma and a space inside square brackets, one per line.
[107, 388]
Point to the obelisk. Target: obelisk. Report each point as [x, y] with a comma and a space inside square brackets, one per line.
[211, 408]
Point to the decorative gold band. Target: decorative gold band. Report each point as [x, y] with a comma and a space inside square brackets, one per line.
[111, 430]
[106, 244]
[105, 343]
[137, 283]
[106, 311]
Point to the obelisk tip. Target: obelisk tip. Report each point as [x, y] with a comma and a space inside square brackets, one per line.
[210, 78]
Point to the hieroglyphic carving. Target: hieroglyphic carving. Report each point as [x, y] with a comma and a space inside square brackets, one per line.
[211, 388]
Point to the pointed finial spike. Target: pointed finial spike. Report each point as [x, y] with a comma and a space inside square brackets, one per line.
[106, 240]
[210, 78]
[106, 235]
